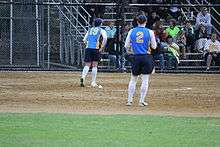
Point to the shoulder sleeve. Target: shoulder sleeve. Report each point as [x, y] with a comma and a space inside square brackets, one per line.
[128, 39]
[104, 36]
[85, 37]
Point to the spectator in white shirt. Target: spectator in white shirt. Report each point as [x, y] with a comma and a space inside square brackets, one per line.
[212, 48]
[204, 18]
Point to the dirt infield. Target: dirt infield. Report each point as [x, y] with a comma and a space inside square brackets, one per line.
[59, 92]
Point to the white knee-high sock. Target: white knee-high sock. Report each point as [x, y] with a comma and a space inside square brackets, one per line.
[94, 73]
[85, 71]
[131, 88]
[144, 87]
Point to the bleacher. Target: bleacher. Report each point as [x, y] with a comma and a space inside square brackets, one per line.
[194, 63]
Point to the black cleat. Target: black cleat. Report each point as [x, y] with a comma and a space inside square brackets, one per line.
[82, 82]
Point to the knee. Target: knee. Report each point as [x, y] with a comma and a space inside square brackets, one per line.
[133, 80]
[94, 65]
[209, 56]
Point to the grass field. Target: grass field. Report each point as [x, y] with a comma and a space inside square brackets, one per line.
[51, 109]
[43, 129]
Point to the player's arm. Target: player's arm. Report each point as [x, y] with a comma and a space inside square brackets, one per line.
[85, 37]
[104, 40]
[153, 42]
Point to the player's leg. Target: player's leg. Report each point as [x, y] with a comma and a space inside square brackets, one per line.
[85, 71]
[136, 70]
[94, 73]
[131, 89]
[146, 70]
[95, 60]
[144, 89]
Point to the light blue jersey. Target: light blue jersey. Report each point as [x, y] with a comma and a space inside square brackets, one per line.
[140, 40]
[93, 39]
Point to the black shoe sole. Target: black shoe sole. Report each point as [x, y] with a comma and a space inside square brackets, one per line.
[81, 83]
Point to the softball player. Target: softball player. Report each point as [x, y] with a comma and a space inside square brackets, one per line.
[94, 46]
[140, 40]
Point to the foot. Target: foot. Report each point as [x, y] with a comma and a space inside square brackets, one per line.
[142, 104]
[94, 84]
[129, 104]
[82, 82]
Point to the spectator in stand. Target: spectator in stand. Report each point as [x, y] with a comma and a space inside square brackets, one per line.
[190, 35]
[152, 19]
[181, 41]
[212, 50]
[96, 11]
[172, 54]
[122, 52]
[204, 18]
[175, 12]
[111, 31]
[160, 36]
[110, 49]
[201, 36]
[161, 11]
[173, 29]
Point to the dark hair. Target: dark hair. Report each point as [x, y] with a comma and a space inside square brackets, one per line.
[187, 21]
[141, 19]
[173, 21]
[98, 22]
[168, 37]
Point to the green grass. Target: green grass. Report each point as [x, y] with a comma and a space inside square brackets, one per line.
[99, 131]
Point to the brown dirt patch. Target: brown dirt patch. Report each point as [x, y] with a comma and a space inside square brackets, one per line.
[59, 92]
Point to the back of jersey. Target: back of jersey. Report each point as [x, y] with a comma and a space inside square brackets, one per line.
[93, 39]
[140, 40]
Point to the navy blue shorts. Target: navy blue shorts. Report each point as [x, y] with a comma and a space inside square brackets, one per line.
[92, 55]
[142, 64]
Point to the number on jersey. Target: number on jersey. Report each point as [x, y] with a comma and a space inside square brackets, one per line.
[139, 37]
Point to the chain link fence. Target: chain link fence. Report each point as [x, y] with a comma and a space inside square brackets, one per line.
[36, 35]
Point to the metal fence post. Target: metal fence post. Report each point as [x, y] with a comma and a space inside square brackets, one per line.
[71, 42]
[37, 32]
[48, 36]
[61, 37]
[11, 33]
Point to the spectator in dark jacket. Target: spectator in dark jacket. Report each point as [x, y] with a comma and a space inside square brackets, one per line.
[152, 19]
[201, 36]
[190, 35]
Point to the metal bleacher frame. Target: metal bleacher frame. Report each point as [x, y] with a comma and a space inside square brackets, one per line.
[200, 63]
